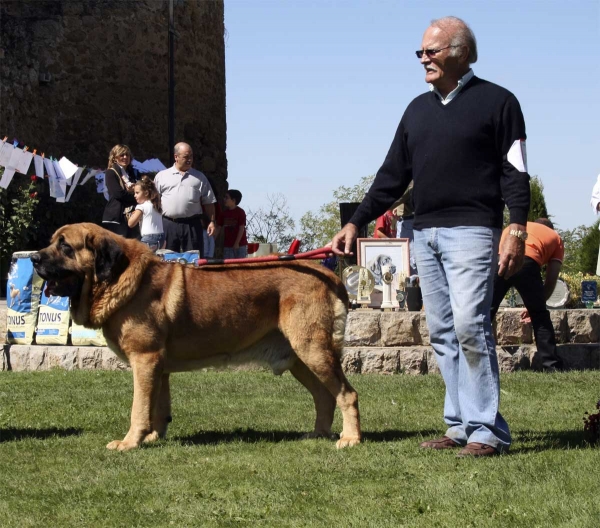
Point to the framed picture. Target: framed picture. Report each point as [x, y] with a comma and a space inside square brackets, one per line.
[373, 253]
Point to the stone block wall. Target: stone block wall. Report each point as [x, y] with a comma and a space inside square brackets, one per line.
[44, 357]
[376, 342]
[398, 342]
[79, 76]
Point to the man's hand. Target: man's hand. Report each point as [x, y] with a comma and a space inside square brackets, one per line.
[511, 253]
[525, 317]
[210, 228]
[341, 244]
[209, 211]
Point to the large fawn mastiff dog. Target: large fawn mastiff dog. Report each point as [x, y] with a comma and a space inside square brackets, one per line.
[165, 317]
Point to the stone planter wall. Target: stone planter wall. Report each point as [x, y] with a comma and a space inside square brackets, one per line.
[398, 342]
[376, 342]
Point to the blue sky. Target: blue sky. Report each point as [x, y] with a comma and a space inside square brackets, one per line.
[316, 88]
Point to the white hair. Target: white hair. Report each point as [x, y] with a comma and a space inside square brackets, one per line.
[461, 35]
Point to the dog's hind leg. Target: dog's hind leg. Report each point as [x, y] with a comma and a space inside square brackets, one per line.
[326, 366]
[161, 414]
[322, 359]
[315, 330]
[147, 373]
[324, 401]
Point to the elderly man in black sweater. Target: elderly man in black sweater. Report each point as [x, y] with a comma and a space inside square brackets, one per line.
[463, 145]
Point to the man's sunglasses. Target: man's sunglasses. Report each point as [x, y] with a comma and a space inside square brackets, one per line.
[432, 52]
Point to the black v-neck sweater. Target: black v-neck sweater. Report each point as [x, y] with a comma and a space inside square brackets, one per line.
[457, 156]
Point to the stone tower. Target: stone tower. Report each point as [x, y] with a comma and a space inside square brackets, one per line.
[79, 76]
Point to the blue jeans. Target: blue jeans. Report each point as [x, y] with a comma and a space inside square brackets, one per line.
[155, 241]
[230, 253]
[209, 245]
[456, 273]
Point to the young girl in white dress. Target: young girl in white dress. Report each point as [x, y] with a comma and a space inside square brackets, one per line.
[149, 213]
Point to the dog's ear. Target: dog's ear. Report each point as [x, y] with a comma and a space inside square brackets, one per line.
[110, 261]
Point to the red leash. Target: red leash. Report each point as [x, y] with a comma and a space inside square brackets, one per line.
[314, 254]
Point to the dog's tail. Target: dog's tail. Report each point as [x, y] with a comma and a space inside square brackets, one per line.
[340, 313]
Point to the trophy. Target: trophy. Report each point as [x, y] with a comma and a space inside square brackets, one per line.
[359, 282]
[387, 277]
[401, 298]
[560, 296]
[403, 282]
[589, 292]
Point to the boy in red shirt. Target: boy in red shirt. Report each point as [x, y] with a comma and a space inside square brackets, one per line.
[385, 226]
[233, 220]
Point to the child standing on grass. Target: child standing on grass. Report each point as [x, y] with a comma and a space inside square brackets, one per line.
[149, 213]
[233, 220]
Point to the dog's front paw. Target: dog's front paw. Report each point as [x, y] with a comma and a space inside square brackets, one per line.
[347, 442]
[121, 445]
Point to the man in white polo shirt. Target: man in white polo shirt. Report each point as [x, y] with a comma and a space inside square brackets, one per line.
[185, 194]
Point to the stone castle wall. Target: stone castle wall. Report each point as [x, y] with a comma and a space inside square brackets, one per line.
[79, 76]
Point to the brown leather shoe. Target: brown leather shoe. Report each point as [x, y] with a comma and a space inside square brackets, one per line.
[475, 449]
[439, 443]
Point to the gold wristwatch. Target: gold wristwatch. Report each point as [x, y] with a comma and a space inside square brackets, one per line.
[521, 235]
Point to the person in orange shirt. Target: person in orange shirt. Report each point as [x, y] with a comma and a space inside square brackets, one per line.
[543, 247]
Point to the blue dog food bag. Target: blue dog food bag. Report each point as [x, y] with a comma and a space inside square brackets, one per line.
[189, 257]
[22, 298]
[53, 320]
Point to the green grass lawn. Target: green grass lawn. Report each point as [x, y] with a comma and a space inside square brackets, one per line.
[234, 457]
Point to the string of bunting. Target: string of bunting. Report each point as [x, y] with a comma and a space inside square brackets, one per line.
[61, 173]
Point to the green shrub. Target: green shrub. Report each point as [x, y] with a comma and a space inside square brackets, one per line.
[588, 256]
[18, 204]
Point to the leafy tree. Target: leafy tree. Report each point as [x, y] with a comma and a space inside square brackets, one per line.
[572, 241]
[317, 229]
[588, 255]
[537, 207]
[581, 249]
[272, 224]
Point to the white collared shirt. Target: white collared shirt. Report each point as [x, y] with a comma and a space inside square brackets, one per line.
[461, 82]
[183, 194]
